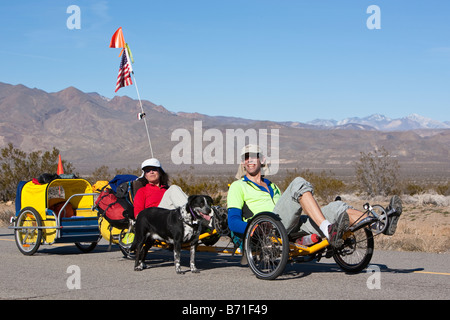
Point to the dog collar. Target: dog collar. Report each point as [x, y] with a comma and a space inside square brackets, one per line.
[193, 216]
[189, 223]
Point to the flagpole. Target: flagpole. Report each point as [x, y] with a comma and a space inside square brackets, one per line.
[126, 48]
[143, 113]
[117, 41]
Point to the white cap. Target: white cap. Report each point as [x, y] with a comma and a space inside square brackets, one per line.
[153, 162]
[251, 148]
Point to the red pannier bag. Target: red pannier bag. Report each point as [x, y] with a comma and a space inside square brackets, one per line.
[115, 210]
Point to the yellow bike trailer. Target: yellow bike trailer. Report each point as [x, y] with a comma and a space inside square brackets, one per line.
[42, 215]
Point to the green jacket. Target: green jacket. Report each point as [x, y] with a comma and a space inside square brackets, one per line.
[246, 198]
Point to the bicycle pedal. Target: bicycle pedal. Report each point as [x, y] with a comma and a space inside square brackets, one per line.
[329, 253]
[319, 257]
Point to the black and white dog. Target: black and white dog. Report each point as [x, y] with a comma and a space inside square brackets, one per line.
[175, 227]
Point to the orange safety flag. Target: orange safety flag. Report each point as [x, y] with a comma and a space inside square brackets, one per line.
[117, 40]
[60, 169]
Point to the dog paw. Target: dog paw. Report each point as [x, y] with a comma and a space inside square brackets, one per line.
[180, 272]
[195, 271]
[140, 267]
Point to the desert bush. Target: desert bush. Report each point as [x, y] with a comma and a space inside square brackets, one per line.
[412, 189]
[326, 186]
[17, 165]
[427, 199]
[5, 215]
[100, 173]
[416, 236]
[103, 173]
[190, 184]
[443, 189]
[377, 172]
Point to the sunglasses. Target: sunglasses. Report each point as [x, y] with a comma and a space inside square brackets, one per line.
[250, 154]
[149, 169]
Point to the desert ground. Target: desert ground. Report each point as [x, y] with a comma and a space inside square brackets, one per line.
[424, 225]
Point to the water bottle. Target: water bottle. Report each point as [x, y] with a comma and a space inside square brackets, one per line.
[308, 240]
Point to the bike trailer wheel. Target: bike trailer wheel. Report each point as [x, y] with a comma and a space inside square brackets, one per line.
[86, 247]
[28, 234]
[266, 246]
[357, 251]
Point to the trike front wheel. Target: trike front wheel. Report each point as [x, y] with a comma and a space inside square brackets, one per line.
[27, 233]
[266, 246]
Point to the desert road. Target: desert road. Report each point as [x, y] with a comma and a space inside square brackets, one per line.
[63, 272]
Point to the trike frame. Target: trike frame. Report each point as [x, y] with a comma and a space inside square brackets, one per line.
[267, 247]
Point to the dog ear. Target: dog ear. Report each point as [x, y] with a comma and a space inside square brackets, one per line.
[191, 198]
[209, 200]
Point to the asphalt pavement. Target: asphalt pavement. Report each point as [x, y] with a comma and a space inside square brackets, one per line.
[63, 272]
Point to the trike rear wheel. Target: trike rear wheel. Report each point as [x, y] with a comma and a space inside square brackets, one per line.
[357, 251]
[28, 234]
[266, 246]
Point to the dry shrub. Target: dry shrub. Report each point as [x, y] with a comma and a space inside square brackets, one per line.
[6, 212]
[433, 199]
[216, 188]
[416, 236]
[377, 172]
[424, 225]
[443, 189]
[326, 186]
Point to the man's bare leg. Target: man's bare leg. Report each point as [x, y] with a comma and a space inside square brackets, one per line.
[355, 215]
[311, 207]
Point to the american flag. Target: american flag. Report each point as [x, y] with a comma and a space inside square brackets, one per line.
[124, 77]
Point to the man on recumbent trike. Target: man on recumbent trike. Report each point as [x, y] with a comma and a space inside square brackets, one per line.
[253, 194]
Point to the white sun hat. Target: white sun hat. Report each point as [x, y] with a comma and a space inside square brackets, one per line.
[153, 162]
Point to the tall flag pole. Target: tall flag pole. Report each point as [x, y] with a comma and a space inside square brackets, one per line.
[125, 69]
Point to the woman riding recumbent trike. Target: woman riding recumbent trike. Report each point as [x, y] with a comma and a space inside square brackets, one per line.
[116, 212]
[56, 212]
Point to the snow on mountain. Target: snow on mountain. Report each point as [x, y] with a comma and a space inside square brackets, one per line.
[383, 123]
[323, 122]
[427, 122]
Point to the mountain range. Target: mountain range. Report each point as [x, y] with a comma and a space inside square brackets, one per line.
[91, 130]
[383, 123]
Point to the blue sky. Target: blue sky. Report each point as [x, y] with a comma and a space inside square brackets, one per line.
[288, 60]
